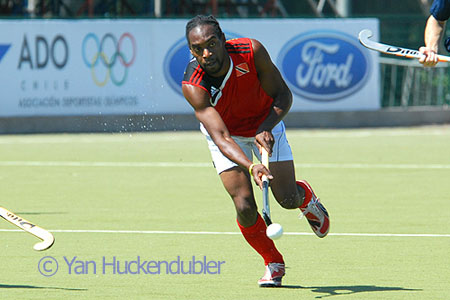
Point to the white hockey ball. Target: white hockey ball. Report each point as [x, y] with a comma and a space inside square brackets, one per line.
[274, 231]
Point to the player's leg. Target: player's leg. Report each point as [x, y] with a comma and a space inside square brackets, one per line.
[313, 209]
[289, 192]
[238, 186]
[283, 185]
[298, 194]
[281, 165]
[237, 182]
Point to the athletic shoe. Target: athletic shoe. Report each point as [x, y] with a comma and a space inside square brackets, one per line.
[273, 275]
[314, 211]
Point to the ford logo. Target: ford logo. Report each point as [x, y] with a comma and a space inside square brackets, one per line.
[177, 59]
[175, 63]
[324, 65]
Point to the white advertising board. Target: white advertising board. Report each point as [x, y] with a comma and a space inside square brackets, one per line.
[95, 67]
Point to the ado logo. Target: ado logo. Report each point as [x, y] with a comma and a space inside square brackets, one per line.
[324, 65]
[55, 50]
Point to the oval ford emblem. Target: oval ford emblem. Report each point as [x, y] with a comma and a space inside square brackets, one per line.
[177, 59]
[175, 63]
[324, 65]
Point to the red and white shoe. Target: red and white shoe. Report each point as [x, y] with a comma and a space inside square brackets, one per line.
[273, 275]
[314, 211]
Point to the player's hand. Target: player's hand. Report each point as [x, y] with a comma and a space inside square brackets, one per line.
[265, 139]
[430, 58]
[258, 171]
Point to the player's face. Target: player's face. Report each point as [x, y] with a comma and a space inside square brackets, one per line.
[208, 49]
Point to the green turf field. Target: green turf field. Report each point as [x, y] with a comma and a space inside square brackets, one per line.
[156, 197]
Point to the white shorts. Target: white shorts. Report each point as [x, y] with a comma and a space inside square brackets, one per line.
[281, 150]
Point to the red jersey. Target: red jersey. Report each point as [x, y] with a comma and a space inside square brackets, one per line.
[238, 96]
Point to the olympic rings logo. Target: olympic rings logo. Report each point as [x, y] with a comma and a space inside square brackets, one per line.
[108, 61]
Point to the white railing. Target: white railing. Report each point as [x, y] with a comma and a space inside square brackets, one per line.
[407, 83]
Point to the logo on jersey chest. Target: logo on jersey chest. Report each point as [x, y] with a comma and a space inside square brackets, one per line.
[215, 95]
[241, 69]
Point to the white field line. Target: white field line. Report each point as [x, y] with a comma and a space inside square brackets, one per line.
[232, 233]
[373, 166]
[99, 139]
[196, 135]
[209, 165]
[104, 164]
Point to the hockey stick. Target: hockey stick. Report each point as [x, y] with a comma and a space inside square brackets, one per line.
[364, 39]
[265, 180]
[46, 237]
[274, 230]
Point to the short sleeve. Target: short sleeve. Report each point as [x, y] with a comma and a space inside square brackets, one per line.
[440, 10]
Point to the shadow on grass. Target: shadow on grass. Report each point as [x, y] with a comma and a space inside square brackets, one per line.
[347, 289]
[22, 286]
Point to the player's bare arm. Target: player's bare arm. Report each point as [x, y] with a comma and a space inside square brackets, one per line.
[210, 118]
[273, 84]
[433, 33]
